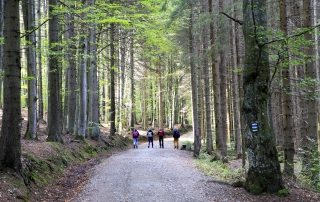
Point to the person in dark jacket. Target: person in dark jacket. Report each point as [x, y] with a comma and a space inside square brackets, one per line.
[160, 135]
[150, 138]
[176, 136]
[135, 136]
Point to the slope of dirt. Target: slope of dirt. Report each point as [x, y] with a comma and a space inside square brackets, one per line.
[54, 171]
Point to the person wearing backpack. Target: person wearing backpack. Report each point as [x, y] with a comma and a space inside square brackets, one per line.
[176, 135]
[160, 135]
[135, 136]
[150, 138]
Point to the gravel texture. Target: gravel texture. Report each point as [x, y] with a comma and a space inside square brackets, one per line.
[161, 175]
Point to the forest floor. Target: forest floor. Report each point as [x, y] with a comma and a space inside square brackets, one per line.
[62, 172]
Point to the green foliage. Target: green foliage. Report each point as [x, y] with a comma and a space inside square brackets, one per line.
[283, 193]
[219, 170]
[255, 189]
[114, 20]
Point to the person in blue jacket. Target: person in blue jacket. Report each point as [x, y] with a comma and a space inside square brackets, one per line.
[150, 138]
[176, 136]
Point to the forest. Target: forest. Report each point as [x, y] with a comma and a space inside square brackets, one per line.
[244, 74]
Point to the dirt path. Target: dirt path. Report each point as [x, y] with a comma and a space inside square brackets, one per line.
[146, 174]
[154, 175]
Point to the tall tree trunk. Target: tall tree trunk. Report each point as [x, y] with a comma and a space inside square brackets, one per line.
[1, 48]
[160, 93]
[83, 43]
[194, 77]
[10, 145]
[287, 109]
[93, 112]
[235, 91]
[112, 81]
[223, 89]
[40, 95]
[264, 169]
[54, 98]
[132, 96]
[216, 86]
[72, 74]
[29, 24]
[316, 39]
[310, 141]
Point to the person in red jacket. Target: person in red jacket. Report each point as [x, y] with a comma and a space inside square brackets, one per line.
[160, 135]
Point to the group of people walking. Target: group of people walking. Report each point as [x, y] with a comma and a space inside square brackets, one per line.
[160, 133]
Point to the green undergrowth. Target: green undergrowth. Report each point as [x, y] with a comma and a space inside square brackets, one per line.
[219, 170]
[40, 170]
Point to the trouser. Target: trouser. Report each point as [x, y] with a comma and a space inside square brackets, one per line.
[176, 142]
[135, 142]
[161, 141]
[150, 141]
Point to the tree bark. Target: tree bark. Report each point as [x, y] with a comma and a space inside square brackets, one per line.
[264, 169]
[54, 98]
[29, 24]
[235, 91]
[1, 49]
[194, 77]
[287, 109]
[40, 87]
[10, 145]
[216, 85]
[132, 95]
[93, 112]
[160, 93]
[310, 141]
[83, 43]
[112, 81]
[72, 74]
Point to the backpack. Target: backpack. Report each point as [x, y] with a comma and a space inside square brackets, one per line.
[135, 134]
[160, 133]
[149, 134]
[176, 134]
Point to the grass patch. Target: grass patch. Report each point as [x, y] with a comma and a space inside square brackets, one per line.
[219, 170]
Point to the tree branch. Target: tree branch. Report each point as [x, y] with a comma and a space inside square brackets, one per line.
[35, 29]
[293, 35]
[238, 21]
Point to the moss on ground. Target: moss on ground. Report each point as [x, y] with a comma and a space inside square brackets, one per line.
[44, 170]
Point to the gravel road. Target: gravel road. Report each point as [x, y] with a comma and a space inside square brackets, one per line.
[155, 175]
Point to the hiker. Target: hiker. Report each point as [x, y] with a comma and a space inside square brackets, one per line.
[176, 135]
[135, 136]
[161, 134]
[150, 138]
